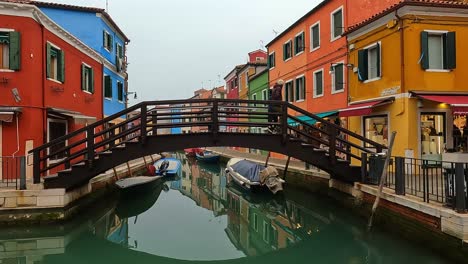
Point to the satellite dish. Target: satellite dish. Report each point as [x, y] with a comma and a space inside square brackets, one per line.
[16, 95]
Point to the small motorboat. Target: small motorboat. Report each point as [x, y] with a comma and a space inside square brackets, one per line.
[253, 176]
[138, 184]
[191, 152]
[165, 167]
[207, 156]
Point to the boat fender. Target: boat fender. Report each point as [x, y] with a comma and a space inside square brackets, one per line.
[151, 170]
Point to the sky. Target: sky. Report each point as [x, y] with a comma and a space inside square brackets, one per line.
[179, 46]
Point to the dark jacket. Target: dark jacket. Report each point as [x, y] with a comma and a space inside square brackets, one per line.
[277, 92]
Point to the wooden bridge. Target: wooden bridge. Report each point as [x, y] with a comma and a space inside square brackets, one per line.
[103, 145]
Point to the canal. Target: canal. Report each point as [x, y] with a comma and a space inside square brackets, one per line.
[198, 217]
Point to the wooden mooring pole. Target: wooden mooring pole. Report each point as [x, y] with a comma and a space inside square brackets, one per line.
[267, 159]
[382, 179]
[286, 168]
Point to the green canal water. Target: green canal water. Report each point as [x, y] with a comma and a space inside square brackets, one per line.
[199, 217]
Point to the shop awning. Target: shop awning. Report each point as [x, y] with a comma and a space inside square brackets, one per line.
[459, 103]
[77, 116]
[309, 120]
[7, 113]
[365, 108]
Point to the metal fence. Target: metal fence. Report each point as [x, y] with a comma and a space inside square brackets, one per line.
[433, 181]
[13, 173]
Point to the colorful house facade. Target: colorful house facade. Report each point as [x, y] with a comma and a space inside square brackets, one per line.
[409, 76]
[95, 28]
[51, 83]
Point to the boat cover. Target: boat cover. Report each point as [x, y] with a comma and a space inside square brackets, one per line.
[248, 169]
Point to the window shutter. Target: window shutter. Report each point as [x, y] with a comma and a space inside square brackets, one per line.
[117, 64]
[83, 79]
[379, 53]
[48, 50]
[362, 65]
[15, 50]
[269, 62]
[284, 52]
[61, 66]
[91, 80]
[424, 50]
[108, 87]
[110, 42]
[450, 51]
[104, 38]
[296, 45]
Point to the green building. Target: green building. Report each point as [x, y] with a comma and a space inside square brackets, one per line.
[258, 90]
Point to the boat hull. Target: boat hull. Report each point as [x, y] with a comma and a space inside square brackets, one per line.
[138, 184]
[207, 157]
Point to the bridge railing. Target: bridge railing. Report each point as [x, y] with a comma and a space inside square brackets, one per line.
[214, 116]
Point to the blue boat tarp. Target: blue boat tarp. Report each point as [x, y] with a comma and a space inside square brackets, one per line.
[249, 170]
[309, 120]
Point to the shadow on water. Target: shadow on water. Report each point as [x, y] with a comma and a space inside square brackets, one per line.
[295, 227]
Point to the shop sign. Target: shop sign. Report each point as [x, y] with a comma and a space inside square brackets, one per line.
[390, 91]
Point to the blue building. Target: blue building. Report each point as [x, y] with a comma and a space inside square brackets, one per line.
[95, 28]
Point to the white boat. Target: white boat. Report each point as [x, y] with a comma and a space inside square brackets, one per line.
[254, 176]
[137, 184]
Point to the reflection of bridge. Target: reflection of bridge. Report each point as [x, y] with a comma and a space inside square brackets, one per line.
[100, 146]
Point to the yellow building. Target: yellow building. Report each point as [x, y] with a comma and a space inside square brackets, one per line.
[408, 73]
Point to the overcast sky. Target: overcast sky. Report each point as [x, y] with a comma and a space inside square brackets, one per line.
[178, 45]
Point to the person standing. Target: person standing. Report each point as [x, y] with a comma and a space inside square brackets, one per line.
[276, 95]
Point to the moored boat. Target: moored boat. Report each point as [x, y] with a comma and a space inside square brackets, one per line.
[166, 167]
[191, 152]
[138, 184]
[207, 156]
[253, 176]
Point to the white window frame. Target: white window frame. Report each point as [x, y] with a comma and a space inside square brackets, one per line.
[332, 23]
[266, 232]
[123, 91]
[315, 95]
[87, 90]
[52, 45]
[440, 33]
[274, 55]
[291, 100]
[55, 120]
[373, 45]
[265, 94]
[303, 40]
[6, 56]
[106, 41]
[292, 50]
[312, 37]
[334, 91]
[303, 87]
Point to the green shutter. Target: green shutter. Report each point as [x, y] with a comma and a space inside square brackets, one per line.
[15, 51]
[362, 65]
[304, 90]
[117, 63]
[83, 79]
[48, 54]
[450, 51]
[284, 52]
[110, 42]
[104, 38]
[269, 62]
[61, 66]
[379, 52]
[91, 80]
[107, 87]
[424, 50]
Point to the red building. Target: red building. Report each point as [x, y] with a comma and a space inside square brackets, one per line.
[50, 82]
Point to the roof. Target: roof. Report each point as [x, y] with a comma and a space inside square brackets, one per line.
[323, 3]
[255, 64]
[237, 68]
[431, 3]
[259, 50]
[73, 7]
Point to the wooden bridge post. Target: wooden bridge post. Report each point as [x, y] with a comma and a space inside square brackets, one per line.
[143, 123]
[460, 193]
[215, 119]
[332, 144]
[36, 167]
[154, 121]
[90, 145]
[400, 175]
[111, 136]
[363, 167]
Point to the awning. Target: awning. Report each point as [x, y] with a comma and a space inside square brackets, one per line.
[364, 108]
[309, 120]
[77, 116]
[459, 103]
[7, 113]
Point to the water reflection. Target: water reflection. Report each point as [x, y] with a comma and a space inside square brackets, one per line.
[294, 228]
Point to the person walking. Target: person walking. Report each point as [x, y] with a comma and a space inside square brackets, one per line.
[276, 95]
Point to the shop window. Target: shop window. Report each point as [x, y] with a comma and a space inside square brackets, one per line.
[55, 63]
[369, 67]
[438, 50]
[460, 132]
[87, 78]
[57, 128]
[376, 129]
[287, 50]
[432, 135]
[289, 92]
[300, 89]
[10, 50]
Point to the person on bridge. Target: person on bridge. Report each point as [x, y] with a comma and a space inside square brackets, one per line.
[276, 95]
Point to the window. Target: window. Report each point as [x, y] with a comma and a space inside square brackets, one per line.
[254, 97]
[315, 36]
[338, 78]
[87, 78]
[438, 50]
[376, 129]
[10, 50]
[300, 88]
[433, 134]
[289, 92]
[107, 40]
[265, 95]
[271, 60]
[120, 91]
[119, 54]
[318, 83]
[369, 63]
[107, 87]
[56, 128]
[266, 232]
[119, 51]
[337, 24]
[299, 43]
[55, 63]
[287, 50]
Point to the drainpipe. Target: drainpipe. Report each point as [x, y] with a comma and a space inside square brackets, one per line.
[43, 62]
[402, 60]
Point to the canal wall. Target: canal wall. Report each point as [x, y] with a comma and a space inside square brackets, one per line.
[431, 224]
[38, 205]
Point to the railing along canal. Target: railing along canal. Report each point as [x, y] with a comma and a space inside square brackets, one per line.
[13, 172]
